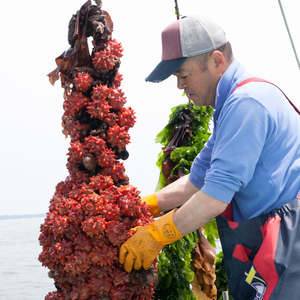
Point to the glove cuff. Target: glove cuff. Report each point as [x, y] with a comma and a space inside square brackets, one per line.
[164, 230]
[151, 200]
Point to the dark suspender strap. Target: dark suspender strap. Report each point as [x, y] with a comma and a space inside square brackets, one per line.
[254, 79]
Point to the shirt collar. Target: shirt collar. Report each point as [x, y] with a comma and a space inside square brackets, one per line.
[234, 74]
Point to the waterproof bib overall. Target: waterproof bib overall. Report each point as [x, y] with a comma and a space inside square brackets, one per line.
[262, 255]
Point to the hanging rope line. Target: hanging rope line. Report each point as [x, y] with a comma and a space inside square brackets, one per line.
[288, 30]
[177, 10]
[178, 17]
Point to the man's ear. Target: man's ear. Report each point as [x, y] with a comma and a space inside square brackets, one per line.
[217, 62]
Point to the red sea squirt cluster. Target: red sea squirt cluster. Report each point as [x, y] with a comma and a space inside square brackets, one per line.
[93, 210]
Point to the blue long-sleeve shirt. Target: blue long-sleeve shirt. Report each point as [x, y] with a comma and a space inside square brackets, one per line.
[253, 155]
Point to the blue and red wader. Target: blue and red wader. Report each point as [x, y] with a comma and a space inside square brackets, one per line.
[262, 254]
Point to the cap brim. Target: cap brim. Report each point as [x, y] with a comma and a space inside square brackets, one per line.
[165, 69]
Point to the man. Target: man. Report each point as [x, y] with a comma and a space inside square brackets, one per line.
[248, 170]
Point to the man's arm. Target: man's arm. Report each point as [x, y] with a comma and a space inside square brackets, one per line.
[143, 247]
[175, 194]
[195, 213]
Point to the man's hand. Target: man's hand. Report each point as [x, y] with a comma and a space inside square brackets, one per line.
[144, 246]
[140, 250]
[151, 200]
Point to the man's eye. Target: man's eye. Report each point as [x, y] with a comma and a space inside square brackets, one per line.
[184, 77]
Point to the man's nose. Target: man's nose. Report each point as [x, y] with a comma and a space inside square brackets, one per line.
[181, 83]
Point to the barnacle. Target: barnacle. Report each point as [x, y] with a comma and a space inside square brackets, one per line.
[117, 81]
[126, 117]
[83, 82]
[116, 232]
[100, 182]
[116, 98]
[116, 48]
[116, 171]
[76, 152]
[104, 60]
[74, 103]
[104, 156]
[99, 109]
[113, 96]
[94, 225]
[118, 136]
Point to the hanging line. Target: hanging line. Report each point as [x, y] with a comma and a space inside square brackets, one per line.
[288, 30]
[178, 17]
[177, 10]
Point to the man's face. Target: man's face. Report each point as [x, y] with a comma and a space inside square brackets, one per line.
[200, 86]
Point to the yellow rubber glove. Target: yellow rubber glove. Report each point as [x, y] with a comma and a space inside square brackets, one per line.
[151, 200]
[143, 247]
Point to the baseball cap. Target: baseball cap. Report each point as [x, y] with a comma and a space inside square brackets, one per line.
[188, 36]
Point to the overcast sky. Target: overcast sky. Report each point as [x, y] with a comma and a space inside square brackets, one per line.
[33, 148]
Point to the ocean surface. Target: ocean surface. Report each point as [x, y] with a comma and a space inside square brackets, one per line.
[22, 276]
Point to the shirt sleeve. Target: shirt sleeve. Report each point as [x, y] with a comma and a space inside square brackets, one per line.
[202, 163]
[243, 127]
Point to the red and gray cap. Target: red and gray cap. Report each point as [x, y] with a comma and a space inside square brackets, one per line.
[188, 36]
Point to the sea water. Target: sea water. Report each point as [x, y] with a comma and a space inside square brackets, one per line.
[22, 276]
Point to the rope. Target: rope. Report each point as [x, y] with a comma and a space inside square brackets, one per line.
[288, 30]
[177, 10]
[178, 17]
